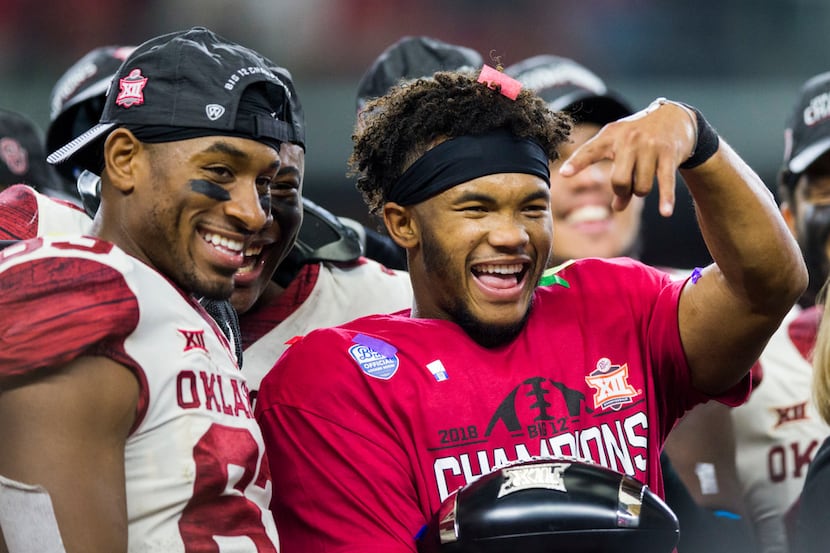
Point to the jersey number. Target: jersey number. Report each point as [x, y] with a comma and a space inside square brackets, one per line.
[212, 511]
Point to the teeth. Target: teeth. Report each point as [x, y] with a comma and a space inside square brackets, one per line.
[245, 269]
[224, 242]
[588, 214]
[500, 269]
[252, 251]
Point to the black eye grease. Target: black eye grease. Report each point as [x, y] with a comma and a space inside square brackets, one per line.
[211, 190]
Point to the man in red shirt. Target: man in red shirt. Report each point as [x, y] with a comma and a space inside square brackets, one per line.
[372, 424]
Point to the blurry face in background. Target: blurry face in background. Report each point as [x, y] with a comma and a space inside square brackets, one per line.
[252, 283]
[584, 225]
[808, 216]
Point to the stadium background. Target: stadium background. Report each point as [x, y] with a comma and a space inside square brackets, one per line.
[740, 61]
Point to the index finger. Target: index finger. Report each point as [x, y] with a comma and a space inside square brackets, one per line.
[666, 181]
[596, 149]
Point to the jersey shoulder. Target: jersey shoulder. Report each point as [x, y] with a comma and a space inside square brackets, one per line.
[26, 213]
[61, 300]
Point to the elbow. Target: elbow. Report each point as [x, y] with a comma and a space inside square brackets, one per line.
[794, 280]
[799, 280]
[774, 292]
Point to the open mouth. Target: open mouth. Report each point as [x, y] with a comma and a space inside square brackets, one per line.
[223, 252]
[500, 276]
[588, 214]
[223, 243]
[251, 259]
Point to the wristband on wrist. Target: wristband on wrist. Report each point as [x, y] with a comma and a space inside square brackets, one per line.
[707, 141]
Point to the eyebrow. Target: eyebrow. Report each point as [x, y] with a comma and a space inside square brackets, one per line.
[479, 197]
[228, 149]
[225, 148]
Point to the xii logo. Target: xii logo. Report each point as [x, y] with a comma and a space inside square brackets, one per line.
[194, 339]
[791, 413]
[611, 386]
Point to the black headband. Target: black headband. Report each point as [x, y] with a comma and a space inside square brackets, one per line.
[465, 158]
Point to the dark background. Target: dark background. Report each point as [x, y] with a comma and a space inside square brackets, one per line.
[740, 61]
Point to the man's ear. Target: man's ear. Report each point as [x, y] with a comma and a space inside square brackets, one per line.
[121, 149]
[400, 224]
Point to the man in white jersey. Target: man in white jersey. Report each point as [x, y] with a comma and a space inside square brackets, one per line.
[324, 280]
[778, 431]
[121, 397]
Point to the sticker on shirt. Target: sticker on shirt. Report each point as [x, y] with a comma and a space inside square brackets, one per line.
[436, 368]
[375, 357]
[611, 386]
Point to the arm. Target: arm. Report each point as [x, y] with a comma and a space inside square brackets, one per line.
[66, 431]
[758, 273]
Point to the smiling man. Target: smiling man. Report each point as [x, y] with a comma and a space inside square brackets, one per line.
[583, 221]
[372, 424]
[324, 280]
[120, 396]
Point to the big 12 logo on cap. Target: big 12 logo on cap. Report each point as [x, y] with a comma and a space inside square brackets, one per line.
[132, 89]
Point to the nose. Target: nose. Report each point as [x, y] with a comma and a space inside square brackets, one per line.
[595, 176]
[508, 232]
[249, 207]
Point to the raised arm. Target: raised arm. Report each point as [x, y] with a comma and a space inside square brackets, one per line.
[66, 432]
[727, 315]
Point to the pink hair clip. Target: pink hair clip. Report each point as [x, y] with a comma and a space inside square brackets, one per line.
[510, 87]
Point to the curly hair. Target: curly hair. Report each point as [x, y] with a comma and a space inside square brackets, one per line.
[394, 130]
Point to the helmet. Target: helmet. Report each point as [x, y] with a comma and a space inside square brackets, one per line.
[413, 57]
[77, 100]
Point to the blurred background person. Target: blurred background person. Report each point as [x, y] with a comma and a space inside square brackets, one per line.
[76, 102]
[23, 155]
[778, 431]
[585, 225]
[324, 281]
[31, 202]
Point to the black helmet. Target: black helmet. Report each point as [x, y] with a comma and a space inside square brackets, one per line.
[77, 100]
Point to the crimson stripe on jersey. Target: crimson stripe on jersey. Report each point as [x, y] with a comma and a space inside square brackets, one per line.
[38, 298]
[18, 213]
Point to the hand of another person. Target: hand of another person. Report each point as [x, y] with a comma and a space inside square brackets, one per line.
[650, 143]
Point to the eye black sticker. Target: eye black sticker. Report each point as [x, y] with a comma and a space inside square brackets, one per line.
[210, 189]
